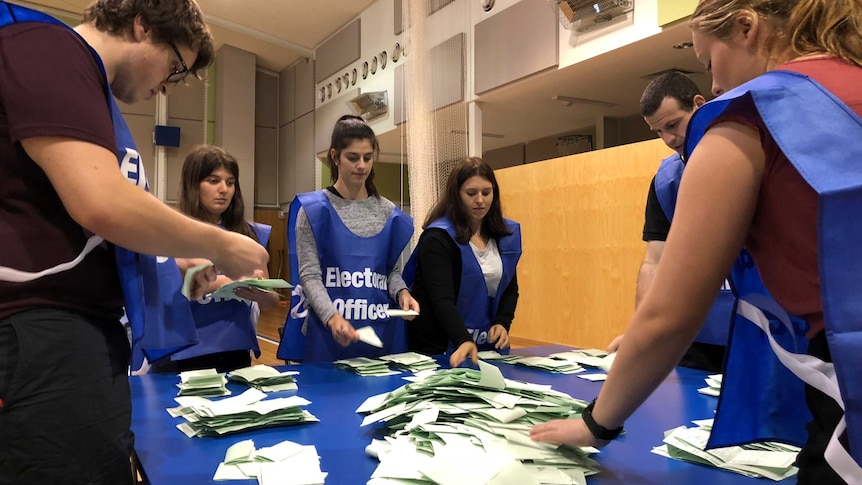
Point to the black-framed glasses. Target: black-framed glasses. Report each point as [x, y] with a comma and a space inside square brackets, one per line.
[180, 74]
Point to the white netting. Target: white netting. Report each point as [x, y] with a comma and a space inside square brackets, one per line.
[436, 138]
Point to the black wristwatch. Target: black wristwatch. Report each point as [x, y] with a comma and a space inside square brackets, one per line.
[599, 431]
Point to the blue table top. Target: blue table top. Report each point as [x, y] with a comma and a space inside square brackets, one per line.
[167, 456]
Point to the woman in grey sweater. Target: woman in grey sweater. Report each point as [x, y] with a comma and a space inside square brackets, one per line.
[348, 243]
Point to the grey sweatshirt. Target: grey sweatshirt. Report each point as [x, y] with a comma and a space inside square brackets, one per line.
[365, 218]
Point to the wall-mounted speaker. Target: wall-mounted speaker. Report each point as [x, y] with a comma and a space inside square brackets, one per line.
[166, 136]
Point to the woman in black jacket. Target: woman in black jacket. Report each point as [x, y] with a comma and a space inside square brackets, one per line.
[463, 269]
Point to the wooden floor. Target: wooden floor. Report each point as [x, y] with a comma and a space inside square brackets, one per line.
[273, 318]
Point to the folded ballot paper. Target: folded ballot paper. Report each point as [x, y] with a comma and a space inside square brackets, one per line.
[394, 312]
[249, 410]
[369, 336]
[226, 292]
[445, 422]
[265, 378]
[760, 460]
[286, 463]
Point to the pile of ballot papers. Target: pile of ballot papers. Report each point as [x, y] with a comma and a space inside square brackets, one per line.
[204, 382]
[713, 385]
[249, 410]
[227, 291]
[388, 365]
[411, 362]
[558, 366]
[265, 378]
[365, 366]
[768, 460]
[286, 463]
[467, 427]
[588, 357]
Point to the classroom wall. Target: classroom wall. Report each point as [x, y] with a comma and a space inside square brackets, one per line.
[581, 221]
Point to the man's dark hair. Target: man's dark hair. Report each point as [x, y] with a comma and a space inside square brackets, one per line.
[672, 84]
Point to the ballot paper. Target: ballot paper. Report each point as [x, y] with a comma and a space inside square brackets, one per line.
[394, 312]
[265, 378]
[286, 463]
[759, 460]
[189, 278]
[594, 377]
[443, 424]
[369, 336]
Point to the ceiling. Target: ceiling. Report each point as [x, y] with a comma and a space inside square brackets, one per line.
[526, 110]
[281, 32]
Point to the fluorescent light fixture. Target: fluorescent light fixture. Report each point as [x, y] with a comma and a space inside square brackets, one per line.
[569, 100]
[486, 135]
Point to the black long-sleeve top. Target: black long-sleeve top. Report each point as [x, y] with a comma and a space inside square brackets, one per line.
[436, 287]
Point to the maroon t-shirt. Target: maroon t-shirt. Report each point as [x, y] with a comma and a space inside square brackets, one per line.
[783, 234]
[50, 85]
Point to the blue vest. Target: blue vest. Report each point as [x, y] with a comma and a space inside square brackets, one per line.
[224, 325]
[355, 272]
[474, 305]
[820, 136]
[159, 315]
[262, 231]
[716, 327]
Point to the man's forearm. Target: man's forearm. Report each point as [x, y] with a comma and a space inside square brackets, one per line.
[645, 276]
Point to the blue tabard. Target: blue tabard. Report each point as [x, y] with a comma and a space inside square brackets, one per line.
[225, 325]
[292, 343]
[716, 327]
[355, 272]
[159, 315]
[821, 137]
[474, 305]
[262, 231]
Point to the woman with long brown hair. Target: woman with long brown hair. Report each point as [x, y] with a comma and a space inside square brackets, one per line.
[776, 167]
[210, 191]
[463, 268]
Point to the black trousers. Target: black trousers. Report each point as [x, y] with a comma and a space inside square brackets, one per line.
[66, 407]
[813, 468]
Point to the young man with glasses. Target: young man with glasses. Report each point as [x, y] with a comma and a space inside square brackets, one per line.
[65, 408]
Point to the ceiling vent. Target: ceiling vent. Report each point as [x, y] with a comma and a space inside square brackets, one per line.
[583, 15]
[370, 105]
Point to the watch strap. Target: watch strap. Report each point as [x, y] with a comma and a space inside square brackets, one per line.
[599, 431]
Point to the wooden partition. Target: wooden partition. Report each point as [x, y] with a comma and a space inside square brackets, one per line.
[277, 243]
[582, 222]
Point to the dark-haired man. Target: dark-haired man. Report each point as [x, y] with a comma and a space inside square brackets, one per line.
[65, 408]
[667, 104]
